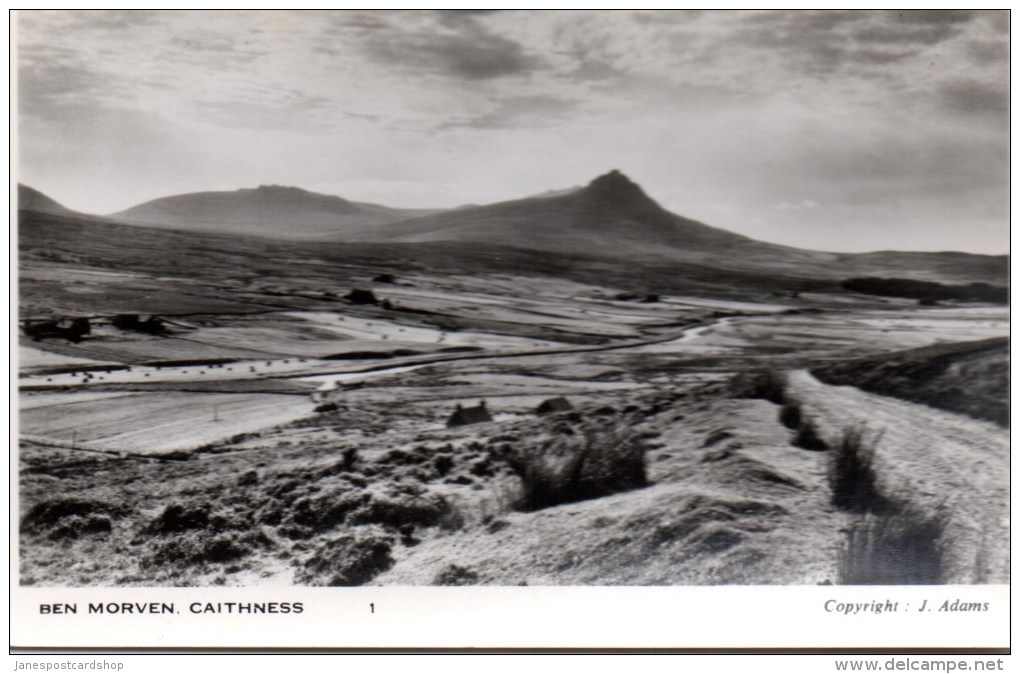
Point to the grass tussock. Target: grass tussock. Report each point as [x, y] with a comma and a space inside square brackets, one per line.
[64, 519]
[454, 575]
[203, 547]
[766, 385]
[902, 545]
[351, 559]
[597, 462]
[807, 437]
[47, 514]
[853, 477]
[891, 542]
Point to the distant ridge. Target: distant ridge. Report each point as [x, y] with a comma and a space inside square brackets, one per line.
[30, 199]
[610, 219]
[269, 210]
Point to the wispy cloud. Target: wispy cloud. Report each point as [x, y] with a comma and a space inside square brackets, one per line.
[535, 111]
[457, 46]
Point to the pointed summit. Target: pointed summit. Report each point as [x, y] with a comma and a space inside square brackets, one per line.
[620, 192]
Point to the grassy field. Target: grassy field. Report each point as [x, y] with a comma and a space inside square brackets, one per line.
[148, 423]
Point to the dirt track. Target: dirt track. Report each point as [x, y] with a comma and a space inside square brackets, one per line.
[929, 457]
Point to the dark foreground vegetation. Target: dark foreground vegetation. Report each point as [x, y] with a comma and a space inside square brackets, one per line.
[566, 468]
[891, 541]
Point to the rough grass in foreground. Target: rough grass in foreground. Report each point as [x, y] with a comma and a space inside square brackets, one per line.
[600, 461]
[902, 545]
[350, 559]
[808, 437]
[852, 475]
[71, 518]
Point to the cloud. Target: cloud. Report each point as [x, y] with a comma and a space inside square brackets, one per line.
[458, 47]
[826, 42]
[533, 111]
[968, 97]
[802, 205]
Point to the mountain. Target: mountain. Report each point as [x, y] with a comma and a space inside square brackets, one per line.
[611, 220]
[610, 217]
[268, 211]
[33, 200]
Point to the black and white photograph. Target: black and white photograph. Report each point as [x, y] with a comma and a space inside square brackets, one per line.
[521, 298]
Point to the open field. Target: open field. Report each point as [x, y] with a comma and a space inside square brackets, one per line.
[142, 423]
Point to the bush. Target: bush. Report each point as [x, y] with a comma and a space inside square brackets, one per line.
[351, 559]
[176, 518]
[442, 464]
[901, 546]
[396, 510]
[767, 385]
[361, 296]
[600, 462]
[455, 575]
[808, 438]
[248, 478]
[852, 475]
[205, 547]
[325, 511]
[76, 526]
[52, 514]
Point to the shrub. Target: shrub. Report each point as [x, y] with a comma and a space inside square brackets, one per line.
[325, 511]
[248, 478]
[205, 547]
[52, 514]
[455, 575]
[75, 526]
[600, 462]
[396, 510]
[351, 559]
[767, 385]
[790, 415]
[808, 438]
[852, 475]
[361, 296]
[443, 464]
[902, 545]
[176, 518]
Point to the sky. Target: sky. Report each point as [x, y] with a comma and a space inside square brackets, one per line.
[831, 130]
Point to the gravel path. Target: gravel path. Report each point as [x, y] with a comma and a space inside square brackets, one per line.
[929, 457]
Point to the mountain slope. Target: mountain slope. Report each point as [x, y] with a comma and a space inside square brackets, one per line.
[33, 200]
[611, 217]
[269, 210]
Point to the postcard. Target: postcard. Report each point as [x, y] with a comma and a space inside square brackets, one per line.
[526, 329]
